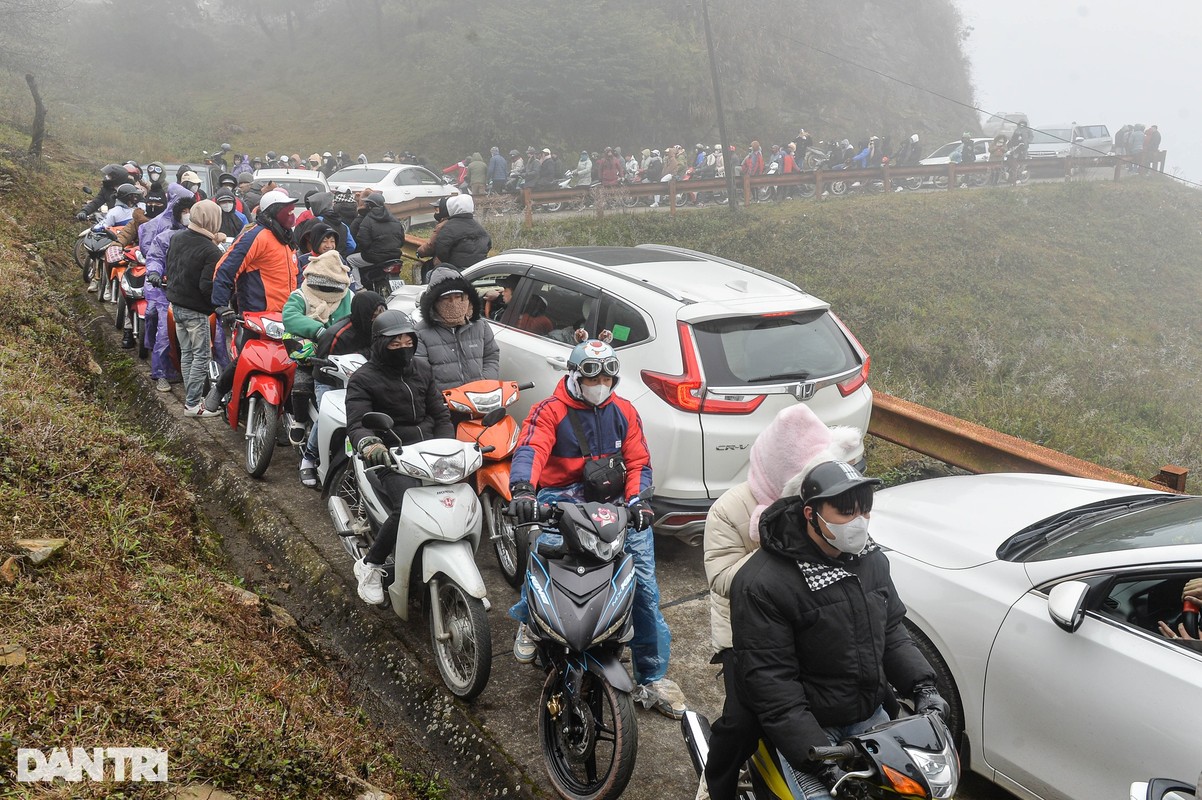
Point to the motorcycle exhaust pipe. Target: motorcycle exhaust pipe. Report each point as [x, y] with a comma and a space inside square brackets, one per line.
[340, 513]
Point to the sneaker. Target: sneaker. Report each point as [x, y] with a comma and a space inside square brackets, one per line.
[663, 695]
[127, 341]
[213, 399]
[107, 295]
[162, 385]
[371, 587]
[523, 646]
[200, 412]
[94, 286]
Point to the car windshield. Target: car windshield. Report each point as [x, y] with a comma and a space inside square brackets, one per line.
[298, 188]
[803, 345]
[945, 151]
[1050, 136]
[358, 175]
[1125, 523]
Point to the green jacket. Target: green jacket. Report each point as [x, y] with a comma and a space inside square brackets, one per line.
[296, 323]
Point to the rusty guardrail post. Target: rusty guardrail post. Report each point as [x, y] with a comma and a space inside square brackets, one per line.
[951, 175]
[672, 197]
[528, 222]
[885, 178]
[818, 184]
[746, 189]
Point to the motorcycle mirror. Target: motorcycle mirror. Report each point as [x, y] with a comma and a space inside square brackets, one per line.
[377, 421]
[495, 416]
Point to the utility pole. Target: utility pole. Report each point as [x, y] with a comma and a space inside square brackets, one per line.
[731, 199]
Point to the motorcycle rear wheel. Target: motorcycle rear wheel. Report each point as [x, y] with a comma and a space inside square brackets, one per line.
[261, 445]
[511, 543]
[590, 747]
[465, 659]
[81, 255]
[838, 188]
[119, 316]
[806, 190]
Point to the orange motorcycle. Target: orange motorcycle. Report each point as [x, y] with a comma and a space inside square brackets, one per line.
[470, 403]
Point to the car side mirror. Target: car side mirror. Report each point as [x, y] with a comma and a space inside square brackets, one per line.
[1066, 604]
[1078, 140]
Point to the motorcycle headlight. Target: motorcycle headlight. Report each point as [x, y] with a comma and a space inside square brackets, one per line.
[131, 293]
[942, 769]
[457, 406]
[485, 401]
[274, 328]
[450, 468]
[605, 551]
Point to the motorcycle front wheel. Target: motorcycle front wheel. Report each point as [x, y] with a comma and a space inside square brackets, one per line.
[511, 543]
[81, 256]
[261, 445]
[838, 188]
[464, 657]
[591, 744]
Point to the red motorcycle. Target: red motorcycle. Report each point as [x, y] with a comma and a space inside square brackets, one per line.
[262, 384]
[491, 481]
[130, 295]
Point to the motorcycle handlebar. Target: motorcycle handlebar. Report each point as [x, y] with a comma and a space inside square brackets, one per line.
[838, 752]
[524, 386]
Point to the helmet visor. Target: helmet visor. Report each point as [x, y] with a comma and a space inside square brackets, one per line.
[593, 367]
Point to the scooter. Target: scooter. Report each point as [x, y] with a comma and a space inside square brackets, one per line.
[581, 593]
[477, 399]
[337, 370]
[131, 291]
[910, 757]
[437, 537]
[262, 383]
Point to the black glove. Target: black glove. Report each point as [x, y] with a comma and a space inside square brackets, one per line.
[374, 452]
[525, 502]
[228, 315]
[927, 697]
[154, 279]
[641, 515]
[81, 216]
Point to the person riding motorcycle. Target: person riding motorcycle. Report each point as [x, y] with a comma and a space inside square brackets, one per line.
[112, 176]
[817, 628]
[127, 198]
[452, 338]
[156, 192]
[551, 459]
[379, 234]
[395, 383]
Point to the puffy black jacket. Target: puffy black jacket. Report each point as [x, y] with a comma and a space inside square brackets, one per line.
[461, 241]
[191, 260]
[380, 236]
[819, 645]
[417, 408]
[350, 334]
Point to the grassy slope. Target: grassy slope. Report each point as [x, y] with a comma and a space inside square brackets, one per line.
[1065, 314]
[130, 640]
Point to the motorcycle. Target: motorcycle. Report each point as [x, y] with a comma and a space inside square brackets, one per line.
[131, 298]
[568, 181]
[1014, 167]
[477, 399]
[262, 383]
[337, 369]
[767, 193]
[437, 537]
[383, 277]
[910, 757]
[93, 243]
[581, 593]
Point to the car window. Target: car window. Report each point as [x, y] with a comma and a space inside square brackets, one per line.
[623, 320]
[1176, 521]
[804, 345]
[299, 188]
[359, 175]
[416, 176]
[945, 151]
[563, 303]
[980, 148]
[1144, 599]
[1050, 136]
[496, 309]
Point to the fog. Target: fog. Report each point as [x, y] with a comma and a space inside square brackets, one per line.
[1101, 61]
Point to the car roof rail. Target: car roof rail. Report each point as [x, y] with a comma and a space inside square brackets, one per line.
[667, 248]
[584, 262]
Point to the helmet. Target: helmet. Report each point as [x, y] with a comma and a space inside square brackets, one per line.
[699, 146]
[967, 135]
[362, 158]
[271, 156]
[275, 197]
[718, 146]
[283, 159]
[327, 154]
[227, 179]
[375, 199]
[514, 153]
[831, 479]
[134, 171]
[392, 323]
[225, 147]
[114, 172]
[592, 358]
[128, 193]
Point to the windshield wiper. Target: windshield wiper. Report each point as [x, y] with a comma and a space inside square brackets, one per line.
[1029, 541]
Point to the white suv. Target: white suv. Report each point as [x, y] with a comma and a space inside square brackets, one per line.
[711, 350]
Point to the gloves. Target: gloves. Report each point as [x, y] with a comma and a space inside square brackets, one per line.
[227, 314]
[373, 451]
[306, 351]
[927, 697]
[641, 515]
[525, 503]
[154, 279]
[80, 217]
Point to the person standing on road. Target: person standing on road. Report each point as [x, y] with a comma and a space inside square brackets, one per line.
[1152, 146]
[498, 171]
[153, 239]
[792, 444]
[477, 174]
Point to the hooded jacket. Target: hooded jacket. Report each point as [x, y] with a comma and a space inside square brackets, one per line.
[409, 396]
[153, 251]
[817, 640]
[351, 334]
[156, 193]
[260, 267]
[461, 240]
[477, 170]
[380, 236]
[191, 259]
[321, 209]
[498, 167]
[324, 291]
[455, 355]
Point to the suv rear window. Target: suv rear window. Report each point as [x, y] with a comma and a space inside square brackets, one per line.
[806, 345]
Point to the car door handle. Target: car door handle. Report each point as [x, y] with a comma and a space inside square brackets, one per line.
[559, 362]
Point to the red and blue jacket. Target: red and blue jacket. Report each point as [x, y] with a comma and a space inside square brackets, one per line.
[260, 267]
[548, 453]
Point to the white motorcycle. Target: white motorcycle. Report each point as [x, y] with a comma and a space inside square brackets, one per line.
[437, 537]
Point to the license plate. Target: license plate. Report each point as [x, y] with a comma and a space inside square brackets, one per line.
[395, 284]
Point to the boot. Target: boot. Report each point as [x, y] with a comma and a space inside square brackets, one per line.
[127, 341]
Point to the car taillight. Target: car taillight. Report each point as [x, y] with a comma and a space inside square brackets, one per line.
[687, 391]
[853, 383]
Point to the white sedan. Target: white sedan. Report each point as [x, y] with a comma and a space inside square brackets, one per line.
[398, 183]
[1037, 598]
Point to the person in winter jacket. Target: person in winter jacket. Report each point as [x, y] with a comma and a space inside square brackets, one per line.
[257, 273]
[817, 627]
[583, 174]
[792, 444]
[319, 238]
[232, 220]
[319, 207]
[753, 162]
[379, 235]
[453, 340]
[461, 240]
[188, 270]
[498, 170]
[112, 176]
[156, 189]
[128, 198]
[477, 173]
[153, 239]
[395, 383]
[550, 459]
[611, 168]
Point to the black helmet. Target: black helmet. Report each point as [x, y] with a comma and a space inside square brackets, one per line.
[227, 179]
[392, 323]
[831, 479]
[225, 147]
[271, 156]
[114, 172]
[128, 193]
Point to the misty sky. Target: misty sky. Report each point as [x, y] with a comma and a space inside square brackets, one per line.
[1093, 61]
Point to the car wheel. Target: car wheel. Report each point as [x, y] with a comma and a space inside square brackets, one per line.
[943, 681]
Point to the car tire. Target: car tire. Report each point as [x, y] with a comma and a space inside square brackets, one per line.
[943, 681]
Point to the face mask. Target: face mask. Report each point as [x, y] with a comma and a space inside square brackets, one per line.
[227, 207]
[185, 219]
[398, 358]
[850, 537]
[596, 395]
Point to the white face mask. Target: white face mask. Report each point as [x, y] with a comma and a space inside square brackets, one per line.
[227, 207]
[596, 395]
[185, 219]
[850, 537]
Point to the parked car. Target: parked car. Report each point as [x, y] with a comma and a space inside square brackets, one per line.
[296, 182]
[1036, 598]
[208, 175]
[944, 154]
[710, 350]
[1057, 141]
[398, 183]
